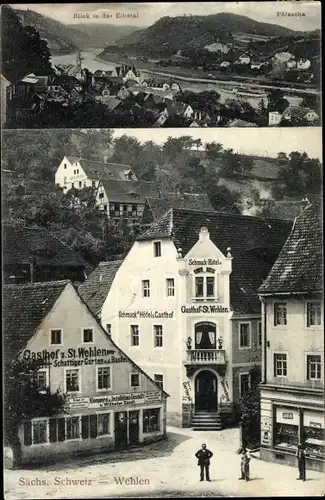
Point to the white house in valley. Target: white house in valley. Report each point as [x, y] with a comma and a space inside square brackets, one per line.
[303, 64]
[76, 172]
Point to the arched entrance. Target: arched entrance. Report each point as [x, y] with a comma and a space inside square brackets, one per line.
[206, 391]
[205, 335]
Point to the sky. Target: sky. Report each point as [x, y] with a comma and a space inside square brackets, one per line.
[259, 141]
[308, 14]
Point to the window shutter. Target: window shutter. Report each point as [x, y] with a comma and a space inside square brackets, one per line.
[308, 367]
[27, 433]
[93, 426]
[61, 429]
[53, 425]
[274, 364]
[85, 426]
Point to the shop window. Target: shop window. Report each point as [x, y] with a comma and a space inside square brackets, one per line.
[103, 424]
[145, 288]
[259, 333]
[135, 337]
[244, 383]
[314, 314]
[158, 335]
[280, 365]
[314, 367]
[73, 428]
[56, 337]
[72, 380]
[244, 335]
[109, 329]
[313, 434]
[170, 283]
[280, 314]
[159, 379]
[135, 380]
[103, 378]
[286, 436]
[88, 335]
[157, 248]
[151, 420]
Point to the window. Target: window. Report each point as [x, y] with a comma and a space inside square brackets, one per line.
[56, 337]
[109, 329]
[64, 180]
[105, 208]
[314, 367]
[88, 335]
[40, 380]
[170, 282]
[157, 249]
[135, 380]
[135, 340]
[101, 195]
[73, 427]
[199, 286]
[72, 380]
[103, 378]
[125, 208]
[151, 420]
[65, 165]
[280, 365]
[244, 383]
[259, 333]
[280, 314]
[158, 334]
[145, 288]
[80, 184]
[103, 424]
[78, 171]
[210, 286]
[314, 314]
[244, 335]
[93, 184]
[39, 431]
[159, 379]
[72, 185]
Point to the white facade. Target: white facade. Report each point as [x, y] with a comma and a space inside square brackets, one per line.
[173, 312]
[292, 399]
[283, 56]
[303, 64]
[71, 174]
[275, 118]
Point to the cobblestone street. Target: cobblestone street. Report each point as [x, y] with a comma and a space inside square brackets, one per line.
[166, 468]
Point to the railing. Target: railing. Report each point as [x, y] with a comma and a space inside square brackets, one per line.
[287, 382]
[202, 356]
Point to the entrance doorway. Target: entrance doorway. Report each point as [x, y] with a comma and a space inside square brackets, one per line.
[133, 427]
[121, 438]
[206, 391]
[205, 335]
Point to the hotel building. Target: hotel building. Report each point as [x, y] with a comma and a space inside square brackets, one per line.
[183, 305]
[111, 403]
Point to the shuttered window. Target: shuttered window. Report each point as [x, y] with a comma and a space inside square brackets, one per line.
[93, 426]
[85, 427]
[27, 433]
[61, 429]
[53, 430]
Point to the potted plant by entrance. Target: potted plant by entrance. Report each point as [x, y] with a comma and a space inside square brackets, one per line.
[189, 343]
[220, 342]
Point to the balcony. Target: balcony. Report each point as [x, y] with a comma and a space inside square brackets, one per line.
[197, 358]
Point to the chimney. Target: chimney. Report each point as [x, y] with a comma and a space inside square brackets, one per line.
[204, 234]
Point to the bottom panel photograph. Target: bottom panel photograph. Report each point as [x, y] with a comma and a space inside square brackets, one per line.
[162, 313]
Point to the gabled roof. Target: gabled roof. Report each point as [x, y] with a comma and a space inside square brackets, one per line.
[191, 201]
[100, 170]
[240, 123]
[129, 191]
[24, 308]
[298, 268]
[297, 111]
[255, 243]
[22, 245]
[96, 287]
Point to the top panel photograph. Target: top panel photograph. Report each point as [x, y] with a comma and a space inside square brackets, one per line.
[138, 65]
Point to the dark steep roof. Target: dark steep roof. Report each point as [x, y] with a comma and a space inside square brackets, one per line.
[129, 191]
[23, 309]
[96, 287]
[159, 206]
[100, 170]
[22, 244]
[255, 243]
[299, 266]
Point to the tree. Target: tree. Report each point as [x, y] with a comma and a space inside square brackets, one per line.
[235, 163]
[23, 401]
[276, 101]
[250, 410]
[212, 150]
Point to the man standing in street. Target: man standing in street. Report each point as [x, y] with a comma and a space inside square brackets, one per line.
[203, 457]
[244, 465]
[301, 455]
